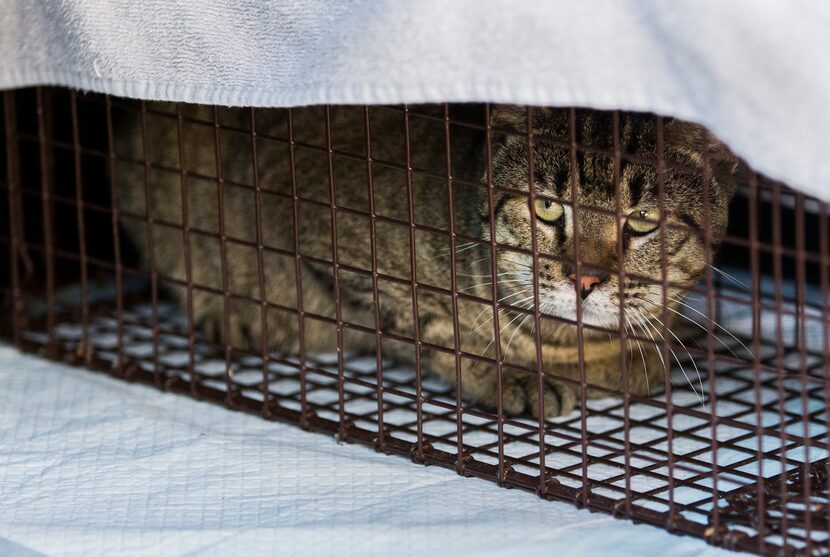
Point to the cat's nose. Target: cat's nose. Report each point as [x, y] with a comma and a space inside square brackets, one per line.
[586, 283]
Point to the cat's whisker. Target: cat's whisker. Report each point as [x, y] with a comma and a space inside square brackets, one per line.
[647, 327]
[471, 331]
[473, 327]
[458, 249]
[638, 322]
[645, 367]
[544, 306]
[731, 278]
[694, 364]
[503, 298]
[481, 284]
[489, 307]
[519, 326]
[485, 322]
[524, 268]
[520, 301]
[523, 264]
[655, 346]
[477, 261]
[519, 263]
[504, 273]
[631, 355]
[462, 246]
[629, 325]
[695, 323]
[721, 327]
[523, 303]
[560, 329]
[489, 344]
[673, 353]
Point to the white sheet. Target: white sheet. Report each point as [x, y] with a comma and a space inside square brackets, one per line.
[94, 466]
[754, 71]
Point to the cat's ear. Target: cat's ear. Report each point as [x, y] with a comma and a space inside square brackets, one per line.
[694, 142]
[509, 117]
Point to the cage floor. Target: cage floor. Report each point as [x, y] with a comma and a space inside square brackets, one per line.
[765, 426]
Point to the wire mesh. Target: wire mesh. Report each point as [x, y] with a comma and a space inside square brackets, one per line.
[731, 442]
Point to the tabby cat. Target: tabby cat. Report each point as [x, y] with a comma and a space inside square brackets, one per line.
[397, 197]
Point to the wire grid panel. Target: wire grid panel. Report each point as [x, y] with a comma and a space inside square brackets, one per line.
[740, 460]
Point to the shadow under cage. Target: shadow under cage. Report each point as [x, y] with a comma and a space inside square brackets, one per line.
[130, 224]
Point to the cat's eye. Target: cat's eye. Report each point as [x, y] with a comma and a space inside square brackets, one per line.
[548, 211]
[642, 221]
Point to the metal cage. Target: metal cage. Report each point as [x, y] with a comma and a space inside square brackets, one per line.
[742, 464]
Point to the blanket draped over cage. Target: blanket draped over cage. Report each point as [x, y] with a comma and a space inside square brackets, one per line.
[754, 73]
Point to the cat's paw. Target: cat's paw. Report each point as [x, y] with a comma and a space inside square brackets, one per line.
[560, 400]
[239, 333]
[521, 395]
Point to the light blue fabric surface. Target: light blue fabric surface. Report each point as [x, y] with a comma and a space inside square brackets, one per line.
[94, 466]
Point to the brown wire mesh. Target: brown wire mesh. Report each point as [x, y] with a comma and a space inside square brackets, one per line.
[746, 468]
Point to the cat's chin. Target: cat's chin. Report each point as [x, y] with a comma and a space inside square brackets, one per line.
[598, 309]
[600, 318]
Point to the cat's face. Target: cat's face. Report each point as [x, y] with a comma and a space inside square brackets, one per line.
[595, 226]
